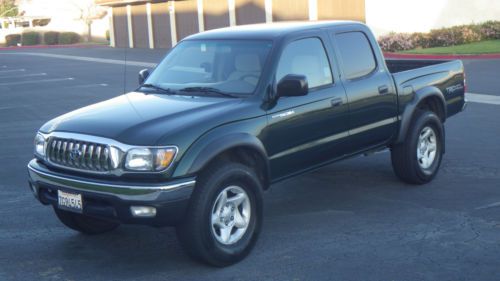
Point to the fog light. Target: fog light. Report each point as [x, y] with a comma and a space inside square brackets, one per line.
[143, 211]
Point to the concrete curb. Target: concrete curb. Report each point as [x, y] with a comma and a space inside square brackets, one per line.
[441, 57]
[51, 47]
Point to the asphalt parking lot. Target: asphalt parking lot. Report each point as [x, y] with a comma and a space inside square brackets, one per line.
[352, 220]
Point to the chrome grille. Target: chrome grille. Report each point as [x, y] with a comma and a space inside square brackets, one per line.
[80, 155]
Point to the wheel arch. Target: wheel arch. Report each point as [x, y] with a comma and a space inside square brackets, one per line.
[429, 98]
[237, 147]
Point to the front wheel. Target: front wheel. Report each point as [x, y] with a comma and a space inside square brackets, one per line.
[224, 217]
[418, 158]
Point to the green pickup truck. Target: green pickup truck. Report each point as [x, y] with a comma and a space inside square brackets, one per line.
[229, 112]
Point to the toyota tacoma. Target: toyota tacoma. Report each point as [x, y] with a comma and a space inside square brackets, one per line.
[229, 112]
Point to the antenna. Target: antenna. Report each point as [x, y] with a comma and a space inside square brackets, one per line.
[125, 71]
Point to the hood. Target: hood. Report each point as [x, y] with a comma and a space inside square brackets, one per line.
[143, 119]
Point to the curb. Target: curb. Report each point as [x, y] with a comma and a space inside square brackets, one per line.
[441, 57]
[51, 47]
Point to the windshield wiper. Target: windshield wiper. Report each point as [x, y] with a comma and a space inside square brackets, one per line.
[157, 88]
[208, 90]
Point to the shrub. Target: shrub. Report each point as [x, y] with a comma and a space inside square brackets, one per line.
[30, 38]
[69, 38]
[490, 30]
[51, 37]
[12, 39]
[396, 42]
[455, 35]
[442, 37]
[421, 40]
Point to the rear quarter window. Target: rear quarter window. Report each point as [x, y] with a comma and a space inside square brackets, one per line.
[356, 54]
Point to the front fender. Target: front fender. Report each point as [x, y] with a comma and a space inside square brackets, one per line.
[411, 107]
[219, 140]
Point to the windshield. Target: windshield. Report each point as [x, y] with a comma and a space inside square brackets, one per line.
[228, 66]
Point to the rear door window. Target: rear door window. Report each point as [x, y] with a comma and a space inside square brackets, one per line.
[356, 54]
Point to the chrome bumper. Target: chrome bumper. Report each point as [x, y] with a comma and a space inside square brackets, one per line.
[124, 191]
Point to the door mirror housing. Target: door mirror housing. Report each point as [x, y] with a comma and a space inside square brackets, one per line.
[293, 85]
[143, 75]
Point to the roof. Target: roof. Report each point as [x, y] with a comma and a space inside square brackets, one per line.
[266, 30]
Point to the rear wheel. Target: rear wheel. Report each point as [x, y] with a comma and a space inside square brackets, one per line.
[418, 158]
[224, 218]
[83, 223]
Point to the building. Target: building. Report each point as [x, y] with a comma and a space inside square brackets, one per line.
[57, 15]
[161, 24]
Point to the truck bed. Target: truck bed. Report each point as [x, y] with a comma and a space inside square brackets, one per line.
[417, 76]
[399, 65]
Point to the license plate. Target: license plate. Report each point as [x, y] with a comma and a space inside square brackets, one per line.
[70, 201]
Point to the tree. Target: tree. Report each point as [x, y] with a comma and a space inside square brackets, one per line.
[89, 12]
[8, 8]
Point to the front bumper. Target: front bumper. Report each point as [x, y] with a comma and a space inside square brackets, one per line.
[112, 200]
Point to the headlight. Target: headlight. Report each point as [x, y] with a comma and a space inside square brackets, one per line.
[149, 159]
[40, 145]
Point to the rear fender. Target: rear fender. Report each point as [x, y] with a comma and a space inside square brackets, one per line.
[411, 108]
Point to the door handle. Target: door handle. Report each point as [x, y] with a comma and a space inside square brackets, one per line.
[384, 89]
[336, 102]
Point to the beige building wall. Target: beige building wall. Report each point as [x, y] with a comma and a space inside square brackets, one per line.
[384, 16]
[167, 22]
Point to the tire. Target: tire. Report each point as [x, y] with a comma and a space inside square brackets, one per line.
[85, 224]
[201, 235]
[413, 164]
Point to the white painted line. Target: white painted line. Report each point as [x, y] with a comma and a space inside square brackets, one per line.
[24, 75]
[129, 27]
[268, 7]
[36, 81]
[231, 5]
[313, 9]
[112, 42]
[88, 59]
[150, 26]
[12, 107]
[495, 204]
[173, 24]
[89, 85]
[201, 20]
[481, 98]
[12, 70]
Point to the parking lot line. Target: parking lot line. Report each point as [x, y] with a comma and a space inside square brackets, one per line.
[88, 59]
[89, 85]
[481, 98]
[24, 75]
[12, 70]
[36, 81]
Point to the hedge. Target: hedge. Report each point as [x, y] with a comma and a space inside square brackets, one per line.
[69, 38]
[30, 38]
[442, 37]
[12, 39]
[51, 37]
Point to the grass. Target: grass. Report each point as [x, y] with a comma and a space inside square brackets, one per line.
[483, 47]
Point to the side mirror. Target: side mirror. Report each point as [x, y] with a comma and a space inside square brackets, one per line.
[143, 74]
[293, 85]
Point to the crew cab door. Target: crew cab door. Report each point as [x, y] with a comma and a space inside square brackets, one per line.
[304, 131]
[369, 86]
